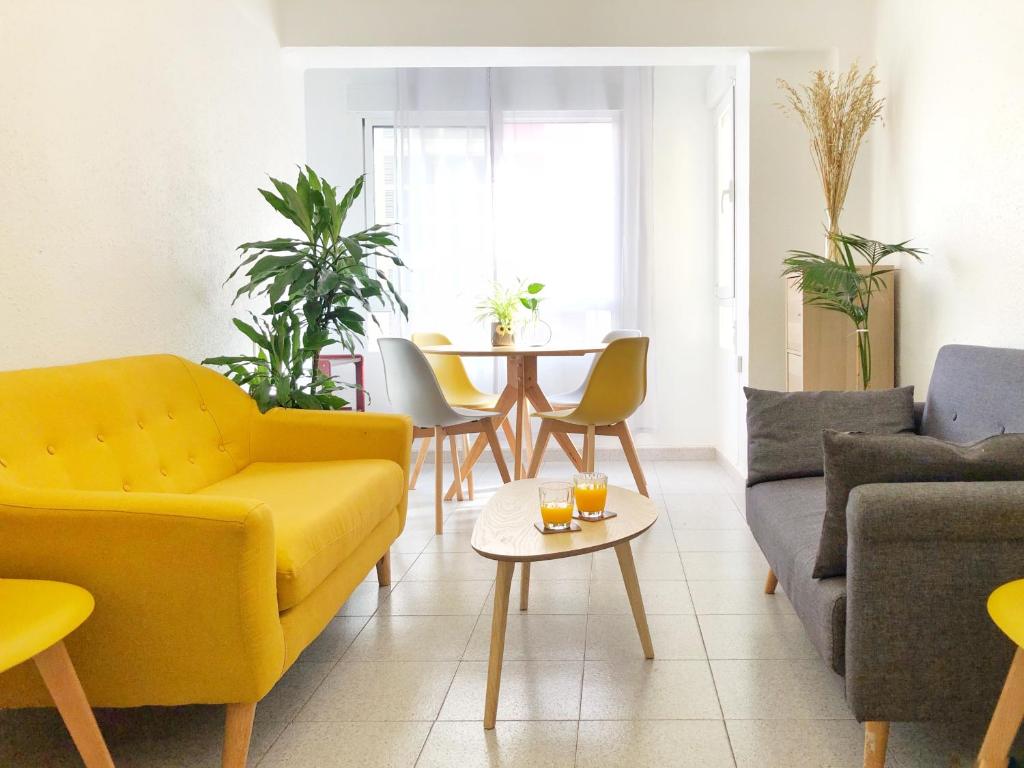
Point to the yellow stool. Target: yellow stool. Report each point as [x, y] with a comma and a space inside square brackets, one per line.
[35, 617]
[1006, 607]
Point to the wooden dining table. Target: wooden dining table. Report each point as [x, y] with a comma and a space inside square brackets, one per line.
[521, 388]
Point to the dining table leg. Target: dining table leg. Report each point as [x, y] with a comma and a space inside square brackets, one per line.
[540, 403]
[516, 377]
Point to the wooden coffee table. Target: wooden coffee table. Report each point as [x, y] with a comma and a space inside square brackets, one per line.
[505, 532]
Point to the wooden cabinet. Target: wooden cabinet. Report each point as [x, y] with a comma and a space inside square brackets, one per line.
[821, 346]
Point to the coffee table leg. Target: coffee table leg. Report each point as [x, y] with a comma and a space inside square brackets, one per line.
[502, 588]
[636, 601]
[524, 586]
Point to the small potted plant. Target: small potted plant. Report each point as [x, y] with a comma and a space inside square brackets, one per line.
[500, 308]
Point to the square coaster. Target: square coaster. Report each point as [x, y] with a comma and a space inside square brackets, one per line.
[604, 516]
[571, 529]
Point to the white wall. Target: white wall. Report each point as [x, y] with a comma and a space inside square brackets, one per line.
[682, 238]
[950, 172]
[133, 137]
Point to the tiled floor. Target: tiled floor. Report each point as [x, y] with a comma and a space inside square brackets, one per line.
[398, 678]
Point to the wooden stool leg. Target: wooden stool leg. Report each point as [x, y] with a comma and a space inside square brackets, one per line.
[421, 457]
[1006, 719]
[439, 480]
[237, 734]
[876, 739]
[499, 619]
[771, 582]
[62, 682]
[469, 474]
[384, 570]
[524, 587]
[636, 600]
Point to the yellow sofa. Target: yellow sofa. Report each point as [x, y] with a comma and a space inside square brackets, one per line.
[217, 541]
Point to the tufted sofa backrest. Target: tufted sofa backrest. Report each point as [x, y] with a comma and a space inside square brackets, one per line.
[155, 423]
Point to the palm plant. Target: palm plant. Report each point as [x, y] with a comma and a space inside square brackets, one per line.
[321, 287]
[844, 284]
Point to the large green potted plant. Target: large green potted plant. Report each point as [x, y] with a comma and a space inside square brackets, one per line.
[846, 284]
[321, 286]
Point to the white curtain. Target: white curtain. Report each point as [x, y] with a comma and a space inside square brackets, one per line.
[524, 174]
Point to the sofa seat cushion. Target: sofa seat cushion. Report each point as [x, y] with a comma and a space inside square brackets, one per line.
[785, 517]
[322, 510]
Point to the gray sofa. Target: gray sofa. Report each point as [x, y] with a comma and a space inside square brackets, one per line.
[907, 626]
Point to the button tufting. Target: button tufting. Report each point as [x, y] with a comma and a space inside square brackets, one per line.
[99, 438]
[3, 463]
[126, 487]
[163, 471]
[221, 448]
[954, 415]
[191, 459]
[202, 406]
[1002, 430]
[170, 415]
[51, 450]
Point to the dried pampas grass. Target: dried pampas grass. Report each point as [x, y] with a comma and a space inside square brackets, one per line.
[837, 111]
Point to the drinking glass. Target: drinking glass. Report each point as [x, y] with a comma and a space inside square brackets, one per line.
[591, 489]
[556, 506]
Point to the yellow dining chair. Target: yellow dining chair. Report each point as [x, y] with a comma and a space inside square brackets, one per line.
[1006, 607]
[35, 617]
[460, 392]
[615, 388]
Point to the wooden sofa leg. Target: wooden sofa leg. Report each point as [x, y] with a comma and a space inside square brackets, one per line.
[237, 733]
[876, 738]
[384, 570]
[771, 582]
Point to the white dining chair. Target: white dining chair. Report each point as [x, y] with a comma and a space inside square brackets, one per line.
[413, 389]
[572, 399]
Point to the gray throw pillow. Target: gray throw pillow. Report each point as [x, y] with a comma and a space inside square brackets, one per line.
[784, 428]
[857, 459]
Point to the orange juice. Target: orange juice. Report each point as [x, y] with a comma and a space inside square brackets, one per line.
[554, 513]
[591, 497]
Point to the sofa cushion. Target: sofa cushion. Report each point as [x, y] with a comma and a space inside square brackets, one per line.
[785, 517]
[322, 510]
[975, 392]
[853, 459]
[784, 428]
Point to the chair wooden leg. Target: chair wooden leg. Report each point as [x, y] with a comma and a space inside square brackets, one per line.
[453, 445]
[628, 448]
[543, 434]
[469, 472]
[384, 570]
[421, 457]
[237, 734]
[62, 682]
[524, 586]
[1006, 719]
[876, 739]
[439, 480]
[771, 582]
[499, 457]
[589, 448]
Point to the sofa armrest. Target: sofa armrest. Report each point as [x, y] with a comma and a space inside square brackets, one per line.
[185, 589]
[922, 561]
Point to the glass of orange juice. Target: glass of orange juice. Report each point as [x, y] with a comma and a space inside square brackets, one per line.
[556, 506]
[591, 490]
